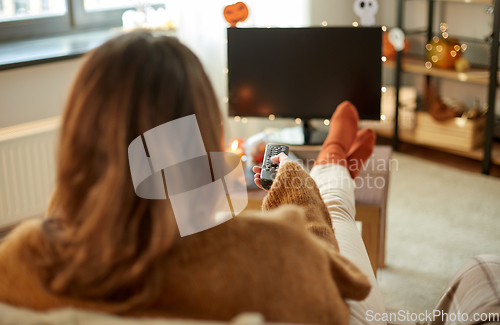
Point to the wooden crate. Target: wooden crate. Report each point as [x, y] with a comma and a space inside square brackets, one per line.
[457, 134]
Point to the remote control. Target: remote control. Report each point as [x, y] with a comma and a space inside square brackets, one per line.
[269, 168]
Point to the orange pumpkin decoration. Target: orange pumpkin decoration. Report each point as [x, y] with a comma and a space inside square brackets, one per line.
[236, 13]
[443, 52]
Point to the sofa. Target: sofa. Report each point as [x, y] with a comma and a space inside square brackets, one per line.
[10, 315]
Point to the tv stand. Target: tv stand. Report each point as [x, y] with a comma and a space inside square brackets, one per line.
[299, 135]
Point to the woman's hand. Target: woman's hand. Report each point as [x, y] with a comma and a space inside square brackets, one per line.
[279, 159]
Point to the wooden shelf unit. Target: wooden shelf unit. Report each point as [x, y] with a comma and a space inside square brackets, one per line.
[468, 1]
[465, 1]
[487, 77]
[476, 154]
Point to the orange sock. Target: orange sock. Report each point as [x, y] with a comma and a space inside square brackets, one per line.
[360, 151]
[343, 127]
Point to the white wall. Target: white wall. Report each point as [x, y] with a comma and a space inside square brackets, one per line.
[37, 92]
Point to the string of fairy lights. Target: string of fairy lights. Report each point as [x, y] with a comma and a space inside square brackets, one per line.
[272, 117]
[435, 48]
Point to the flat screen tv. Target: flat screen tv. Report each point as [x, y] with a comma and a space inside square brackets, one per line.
[304, 72]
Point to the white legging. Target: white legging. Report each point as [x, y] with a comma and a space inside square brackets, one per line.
[337, 190]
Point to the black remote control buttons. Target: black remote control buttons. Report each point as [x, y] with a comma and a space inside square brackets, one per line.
[269, 168]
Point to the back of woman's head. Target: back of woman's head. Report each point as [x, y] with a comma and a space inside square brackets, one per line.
[107, 242]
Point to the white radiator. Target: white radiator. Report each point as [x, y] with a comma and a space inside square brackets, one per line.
[27, 169]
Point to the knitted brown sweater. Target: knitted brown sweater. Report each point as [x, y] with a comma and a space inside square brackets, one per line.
[283, 263]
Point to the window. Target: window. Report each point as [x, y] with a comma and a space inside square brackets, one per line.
[23, 19]
[29, 9]
[97, 5]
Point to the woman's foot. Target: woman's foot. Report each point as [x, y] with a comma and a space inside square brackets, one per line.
[343, 127]
[360, 151]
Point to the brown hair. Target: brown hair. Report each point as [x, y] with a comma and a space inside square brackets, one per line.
[106, 242]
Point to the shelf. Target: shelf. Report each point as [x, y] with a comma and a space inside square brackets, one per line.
[409, 137]
[474, 75]
[477, 154]
[463, 39]
[465, 1]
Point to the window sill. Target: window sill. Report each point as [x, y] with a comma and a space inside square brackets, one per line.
[51, 49]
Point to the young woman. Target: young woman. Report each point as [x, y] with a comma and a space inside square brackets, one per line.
[101, 247]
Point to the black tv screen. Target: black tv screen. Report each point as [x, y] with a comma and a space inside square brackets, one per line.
[304, 72]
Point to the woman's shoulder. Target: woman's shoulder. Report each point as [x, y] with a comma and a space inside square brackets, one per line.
[27, 234]
[21, 254]
[20, 284]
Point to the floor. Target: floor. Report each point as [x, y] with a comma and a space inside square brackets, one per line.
[444, 158]
[438, 218]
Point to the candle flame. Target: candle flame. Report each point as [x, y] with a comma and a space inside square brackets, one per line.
[234, 145]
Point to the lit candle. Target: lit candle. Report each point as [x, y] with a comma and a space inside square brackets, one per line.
[237, 147]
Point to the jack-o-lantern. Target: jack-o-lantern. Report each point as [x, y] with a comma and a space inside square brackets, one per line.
[388, 50]
[443, 51]
[236, 13]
